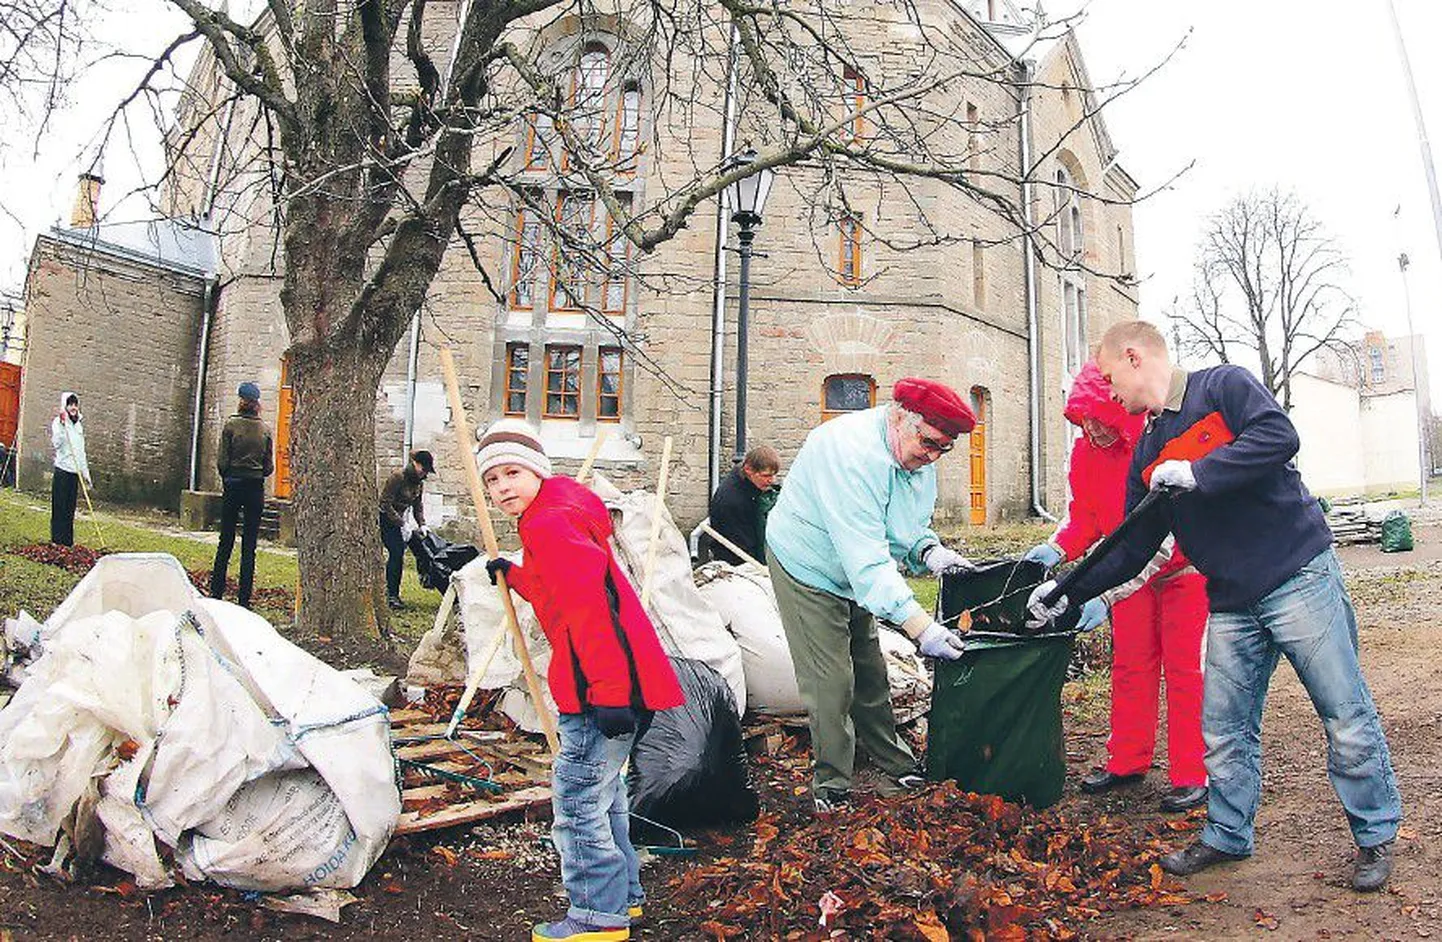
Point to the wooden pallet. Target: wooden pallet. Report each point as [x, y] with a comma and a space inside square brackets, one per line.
[520, 766]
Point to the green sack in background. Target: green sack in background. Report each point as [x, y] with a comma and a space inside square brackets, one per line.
[1396, 532]
[995, 724]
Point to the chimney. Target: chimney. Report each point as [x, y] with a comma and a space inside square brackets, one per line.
[87, 201]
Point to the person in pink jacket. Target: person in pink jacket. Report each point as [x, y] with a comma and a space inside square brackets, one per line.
[1158, 619]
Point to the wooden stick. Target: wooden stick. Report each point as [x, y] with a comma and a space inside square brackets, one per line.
[473, 684]
[591, 458]
[493, 550]
[99, 533]
[745, 556]
[659, 509]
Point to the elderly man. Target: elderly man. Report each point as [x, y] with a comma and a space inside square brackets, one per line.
[858, 501]
[1220, 444]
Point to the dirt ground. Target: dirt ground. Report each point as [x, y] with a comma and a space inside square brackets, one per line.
[493, 881]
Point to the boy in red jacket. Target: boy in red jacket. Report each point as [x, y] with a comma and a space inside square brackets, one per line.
[608, 673]
[1157, 619]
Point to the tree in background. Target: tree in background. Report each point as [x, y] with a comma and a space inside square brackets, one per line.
[1266, 290]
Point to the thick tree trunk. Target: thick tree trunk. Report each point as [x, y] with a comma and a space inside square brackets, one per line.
[333, 457]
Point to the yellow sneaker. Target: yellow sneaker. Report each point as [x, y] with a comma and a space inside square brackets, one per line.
[636, 911]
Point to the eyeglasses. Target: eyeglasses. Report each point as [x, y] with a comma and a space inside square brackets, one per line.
[932, 445]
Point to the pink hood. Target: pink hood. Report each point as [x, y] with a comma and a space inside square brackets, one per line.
[1091, 397]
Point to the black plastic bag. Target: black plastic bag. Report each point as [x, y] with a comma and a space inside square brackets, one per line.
[688, 770]
[436, 559]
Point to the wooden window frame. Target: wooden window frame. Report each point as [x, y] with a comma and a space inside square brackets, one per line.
[828, 414]
[848, 263]
[534, 138]
[601, 373]
[591, 132]
[510, 390]
[612, 269]
[577, 303]
[512, 298]
[625, 162]
[549, 372]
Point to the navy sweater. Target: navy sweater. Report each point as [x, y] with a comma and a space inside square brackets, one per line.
[1250, 524]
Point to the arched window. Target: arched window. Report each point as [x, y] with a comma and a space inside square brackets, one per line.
[588, 90]
[628, 126]
[846, 392]
[1070, 245]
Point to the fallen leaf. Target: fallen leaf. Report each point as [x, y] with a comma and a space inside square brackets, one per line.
[127, 750]
[931, 927]
[448, 856]
[1266, 920]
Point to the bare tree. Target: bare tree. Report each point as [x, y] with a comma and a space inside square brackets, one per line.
[380, 135]
[1267, 287]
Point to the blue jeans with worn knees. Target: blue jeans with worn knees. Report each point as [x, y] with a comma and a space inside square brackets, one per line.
[1309, 619]
[592, 830]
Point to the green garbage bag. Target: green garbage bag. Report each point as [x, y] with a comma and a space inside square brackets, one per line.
[1396, 532]
[995, 723]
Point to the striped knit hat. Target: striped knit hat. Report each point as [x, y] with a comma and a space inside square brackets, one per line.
[512, 441]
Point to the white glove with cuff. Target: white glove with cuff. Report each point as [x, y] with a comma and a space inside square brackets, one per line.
[942, 561]
[1177, 474]
[1039, 615]
[937, 641]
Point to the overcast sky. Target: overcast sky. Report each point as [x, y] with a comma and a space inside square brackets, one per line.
[1296, 93]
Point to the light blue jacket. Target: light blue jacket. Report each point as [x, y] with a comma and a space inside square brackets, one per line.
[849, 513]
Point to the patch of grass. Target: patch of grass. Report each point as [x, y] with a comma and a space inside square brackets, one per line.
[995, 542]
[38, 588]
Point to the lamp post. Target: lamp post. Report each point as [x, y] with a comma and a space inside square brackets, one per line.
[747, 198]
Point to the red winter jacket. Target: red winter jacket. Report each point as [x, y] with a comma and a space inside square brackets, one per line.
[604, 649]
[1098, 476]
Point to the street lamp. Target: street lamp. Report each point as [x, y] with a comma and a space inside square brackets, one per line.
[1424, 429]
[747, 198]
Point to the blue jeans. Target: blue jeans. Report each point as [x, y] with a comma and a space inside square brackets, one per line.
[592, 830]
[1308, 618]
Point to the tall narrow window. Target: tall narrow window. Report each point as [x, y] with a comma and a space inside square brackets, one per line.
[854, 85]
[849, 265]
[538, 142]
[568, 282]
[1070, 245]
[978, 275]
[1074, 313]
[608, 384]
[628, 127]
[525, 254]
[846, 392]
[618, 255]
[563, 382]
[973, 137]
[1122, 265]
[588, 86]
[1379, 364]
[518, 364]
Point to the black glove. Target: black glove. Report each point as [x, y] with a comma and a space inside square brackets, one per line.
[615, 721]
[500, 565]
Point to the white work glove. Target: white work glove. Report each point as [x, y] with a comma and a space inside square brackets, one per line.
[1093, 613]
[937, 641]
[1177, 474]
[943, 561]
[408, 526]
[1039, 615]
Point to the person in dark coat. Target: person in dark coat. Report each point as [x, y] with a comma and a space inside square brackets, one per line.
[741, 503]
[402, 492]
[245, 459]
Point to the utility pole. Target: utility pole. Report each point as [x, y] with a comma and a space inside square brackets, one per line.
[1424, 429]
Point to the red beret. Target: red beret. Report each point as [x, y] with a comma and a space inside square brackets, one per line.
[937, 403]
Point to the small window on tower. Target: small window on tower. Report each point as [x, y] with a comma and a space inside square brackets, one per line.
[846, 392]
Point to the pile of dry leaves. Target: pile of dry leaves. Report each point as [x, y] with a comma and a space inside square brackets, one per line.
[941, 864]
[80, 559]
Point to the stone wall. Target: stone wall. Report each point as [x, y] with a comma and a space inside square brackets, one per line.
[123, 335]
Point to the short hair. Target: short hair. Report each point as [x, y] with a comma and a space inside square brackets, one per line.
[762, 458]
[1132, 334]
[72, 399]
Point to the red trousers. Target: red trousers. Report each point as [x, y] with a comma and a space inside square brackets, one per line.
[1159, 628]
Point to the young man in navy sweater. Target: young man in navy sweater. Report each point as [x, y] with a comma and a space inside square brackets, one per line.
[1223, 448]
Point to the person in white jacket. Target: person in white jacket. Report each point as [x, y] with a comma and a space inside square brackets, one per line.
[67, 437]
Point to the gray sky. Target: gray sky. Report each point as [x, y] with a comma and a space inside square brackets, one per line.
[1291, 92]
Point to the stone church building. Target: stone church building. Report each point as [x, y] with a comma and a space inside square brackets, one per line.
[839, 308]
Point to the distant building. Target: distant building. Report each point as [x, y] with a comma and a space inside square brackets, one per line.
[114, 312]
[1356, 410]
